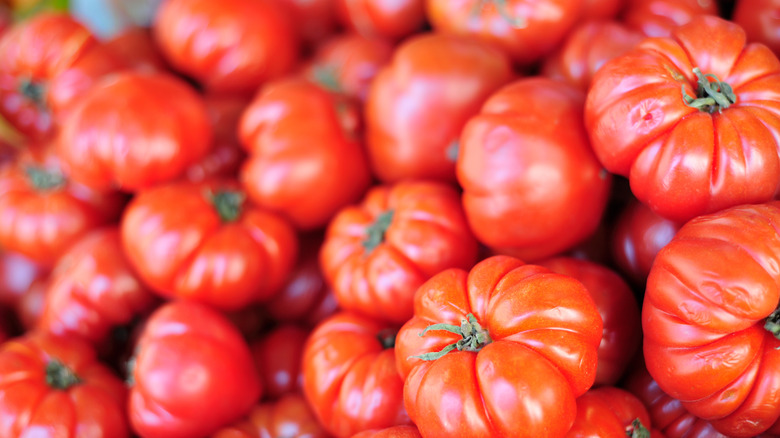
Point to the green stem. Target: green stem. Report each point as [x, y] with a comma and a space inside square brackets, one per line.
[327, 78]
[228, 204]
[772, 323]
[387, 338]
[59, 376]
[33, 91]
[711, 95]
[474, 337]
[637, 430]
[42, 179]
[375, 233]
[453, 150]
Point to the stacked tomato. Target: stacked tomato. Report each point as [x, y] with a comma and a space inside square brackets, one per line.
[412, 218]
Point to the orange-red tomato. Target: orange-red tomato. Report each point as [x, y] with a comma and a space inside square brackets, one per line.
[657, 18]
[137, 48]
[761, 21]
[17, 273]
[290, 416]
[391, 432]
[278, 356]
[611, 412]
[380, 18]
[314, 20]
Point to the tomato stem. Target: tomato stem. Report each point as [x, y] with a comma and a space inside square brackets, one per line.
[387, 338]
[712, 95]
[59, 376]
[228, 204]
[42, 179]
[453, 150]
[375, 233]
[772, 324]
[474, 337]
[33, 91]
[325, 76]
[637, 430]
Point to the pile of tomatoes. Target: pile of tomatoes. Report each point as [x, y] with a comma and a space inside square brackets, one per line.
[411, 218]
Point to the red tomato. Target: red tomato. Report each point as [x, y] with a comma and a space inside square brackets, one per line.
[526, 29]
[619, 310]
[347, 64]
[93, 289]
[637, 237]
[710, 319]
[301, 140]
[17, 273]
[532, 186]
[204, 242]
[413, 117]
[315, 20]
[761, 21]
[657, 18]
[290, 416]
[380, 18]
[349, 375]
[137, 48]
[601, 9]
[43, 211]
[55, 387]
[193, 373]
[29, 306]
[391, 432]
[229, 46]
[611, 412]
[378, 253]
[134, 130]
[589, 45]
[500, 351]
[685, 154]
[278, 358]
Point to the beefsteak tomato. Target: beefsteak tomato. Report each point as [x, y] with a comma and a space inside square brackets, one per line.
[290, 416]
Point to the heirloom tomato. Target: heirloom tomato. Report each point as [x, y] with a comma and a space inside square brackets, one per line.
[54, 386]
[137, 48]
[761, 21]
[205, 242]
[192, 373]
[278, 356]
[29, 306]
[393, 20]
[601, 9]
[500, 351]
[290, 416]
[349, 375]
[693, 120]
[391, 432]
[710, 318]
[532, 186]
[611, 412]
[315, 20]
[657, 18]
[378, 253]
[17, 273]
[413, 114]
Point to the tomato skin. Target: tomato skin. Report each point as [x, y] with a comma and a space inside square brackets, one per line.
[759, 18]
[182, 341]
[301, 140]
[92, 289]
[17, 273]
[413, 118]
[680, 161]
[229, 46]
[377, 18]
[619, 312]
[349, 378]
[29, 406]
[176, 240]
[529, 125]
[426, 234]
[608, 411]
[601, 9]
[29, 306]
[290, 416]
[278, 357]
[657, 18]
[523, 383]
[315, 19]
[135, 45]
[391, 432]
[589, 45]
[708, 295]
[546, 23]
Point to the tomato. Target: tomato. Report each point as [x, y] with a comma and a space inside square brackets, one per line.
[619, 310]
[347, 64]
[391, 432]
[500, 351]
[278, 357]
[378, 253]
[378, 18]
[413, 117]
[684, 154]
[315, 20]
[601, 9]
[93, 289]
[188, 354]
[44, 212]
[709, 318]
[761, 21]
[204, 242]
[532, 186]
[611, 412]
[55, 387]
[350, 377]
[657, 18]
[588, 46]
[229, 46]
[137, 48]
[637, 237]
[17, 273]
[290, 416]
[301, 140]
[525, 29]
[29, 306]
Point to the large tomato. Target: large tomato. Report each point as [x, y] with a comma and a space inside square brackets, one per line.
[229, 46]
[526, 29]
[532, 186]
[93, 289]
[657, 18]
[391, 432]
[710, 318]
[393, 20]
[204, 242]
[290, 416]
[759, 18]
[500, 351]
[55, 387]
[303, 140]
[378, 253]
[693, 120]
[413, 117]
[278, 357]
[350, 377]
[611, 412]
[192, 373]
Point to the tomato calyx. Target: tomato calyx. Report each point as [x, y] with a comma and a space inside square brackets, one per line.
[453, 150]
[42, 179]
[59, 376]
[637, 430]
[474, 337]
[326, 77]
[712, 95]
[503, 10]
[228, 204]
[375, 233]
[33, 91]
[772, 323]
[387, 338]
